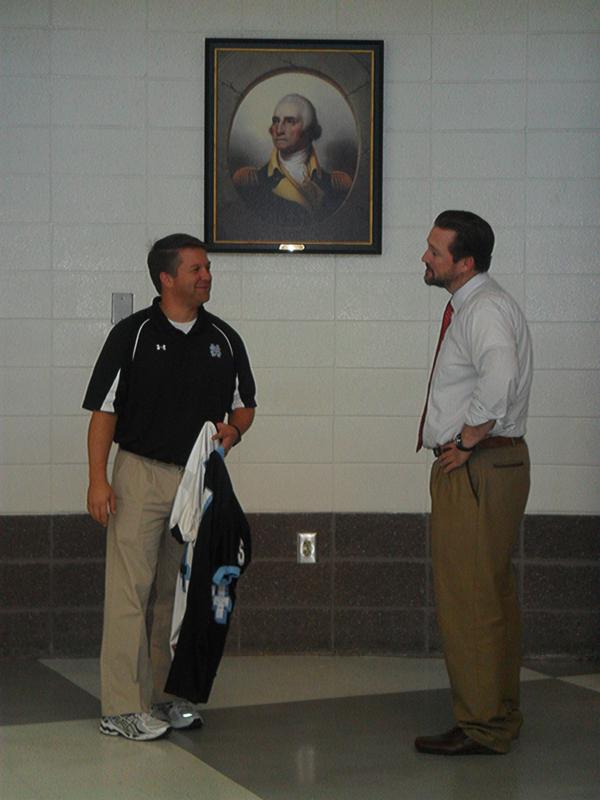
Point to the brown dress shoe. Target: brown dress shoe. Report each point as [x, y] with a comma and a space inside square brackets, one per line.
[453, 743]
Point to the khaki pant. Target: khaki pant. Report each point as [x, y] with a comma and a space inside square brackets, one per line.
[140, 552]
[476, 514]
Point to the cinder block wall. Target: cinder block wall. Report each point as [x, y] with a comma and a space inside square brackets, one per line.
[491, 106]
[369, 592]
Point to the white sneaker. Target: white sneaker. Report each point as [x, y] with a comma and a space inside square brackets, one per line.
[179, 714]
[140, 727]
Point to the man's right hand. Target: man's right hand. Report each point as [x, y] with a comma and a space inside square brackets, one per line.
[101, 501]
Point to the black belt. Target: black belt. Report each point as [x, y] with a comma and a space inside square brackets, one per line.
[490, 441]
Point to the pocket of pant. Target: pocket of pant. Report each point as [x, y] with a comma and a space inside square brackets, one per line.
[117, 464]
[471, 482]
[509, 466]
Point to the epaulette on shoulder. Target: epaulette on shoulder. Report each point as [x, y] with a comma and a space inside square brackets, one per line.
[340, 181]
[245, 176]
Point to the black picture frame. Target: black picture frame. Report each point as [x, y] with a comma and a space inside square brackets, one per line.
[251, 202]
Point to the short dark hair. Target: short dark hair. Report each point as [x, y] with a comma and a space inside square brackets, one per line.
[164, 255]
[474, 237]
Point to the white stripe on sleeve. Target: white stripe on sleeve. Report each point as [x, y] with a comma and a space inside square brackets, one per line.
[109, 400]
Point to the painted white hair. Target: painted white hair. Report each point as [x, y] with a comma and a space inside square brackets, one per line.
[307, 112]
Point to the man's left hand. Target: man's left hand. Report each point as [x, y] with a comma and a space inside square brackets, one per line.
[452, 458]
[227, 435]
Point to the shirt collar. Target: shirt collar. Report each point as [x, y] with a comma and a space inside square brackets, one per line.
[312, 165]
[459, 297]
[161, 320]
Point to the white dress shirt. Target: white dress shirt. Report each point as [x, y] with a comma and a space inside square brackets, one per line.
[484, 367]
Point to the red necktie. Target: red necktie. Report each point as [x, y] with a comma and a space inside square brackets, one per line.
[446, 320]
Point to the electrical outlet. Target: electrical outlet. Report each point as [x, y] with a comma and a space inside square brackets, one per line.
[306, 548]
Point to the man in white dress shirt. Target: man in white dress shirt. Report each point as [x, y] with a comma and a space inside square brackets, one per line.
[474, 421]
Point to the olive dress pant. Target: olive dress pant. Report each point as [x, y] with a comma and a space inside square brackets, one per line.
[476, 514]
[141, 552]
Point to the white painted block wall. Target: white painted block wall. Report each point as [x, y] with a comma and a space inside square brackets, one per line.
[489, 106]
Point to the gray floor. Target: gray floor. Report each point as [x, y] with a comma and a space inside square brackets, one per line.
[297, 728]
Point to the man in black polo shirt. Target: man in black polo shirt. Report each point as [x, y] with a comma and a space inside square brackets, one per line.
[162, 373]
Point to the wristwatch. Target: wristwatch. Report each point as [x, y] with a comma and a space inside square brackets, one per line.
[460, 446]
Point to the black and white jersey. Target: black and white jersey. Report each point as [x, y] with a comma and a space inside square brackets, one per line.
[223, 545]
[164, 384]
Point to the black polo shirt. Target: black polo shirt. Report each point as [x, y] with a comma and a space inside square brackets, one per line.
[164, 384]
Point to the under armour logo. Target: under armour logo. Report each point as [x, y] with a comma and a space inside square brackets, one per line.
[161, 346]
[215, 351]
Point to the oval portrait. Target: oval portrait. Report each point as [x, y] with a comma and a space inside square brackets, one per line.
[293, 149]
